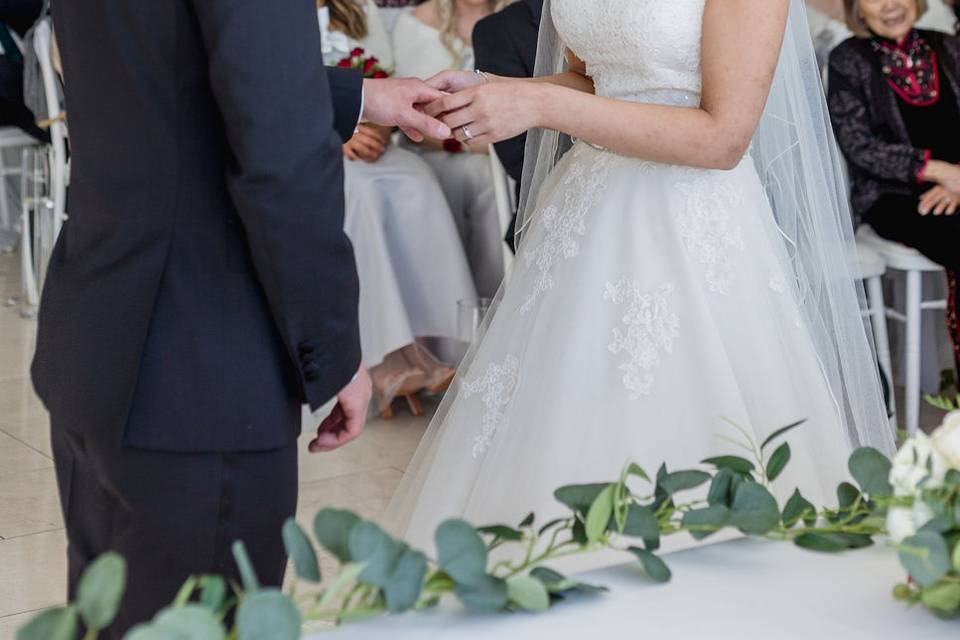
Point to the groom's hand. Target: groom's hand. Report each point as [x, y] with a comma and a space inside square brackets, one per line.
[398, 102]
[348, 418]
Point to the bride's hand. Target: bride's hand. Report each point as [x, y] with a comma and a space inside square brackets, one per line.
[454, 81]
[490, 112]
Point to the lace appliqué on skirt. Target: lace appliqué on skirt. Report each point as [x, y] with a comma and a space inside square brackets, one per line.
[704, 225]
[496, 387]
[651, 328]
[564, 221]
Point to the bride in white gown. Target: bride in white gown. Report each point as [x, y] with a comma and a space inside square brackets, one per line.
[652, 300]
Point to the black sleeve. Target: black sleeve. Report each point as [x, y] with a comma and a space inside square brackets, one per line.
[864, 147]
[497, 53]
[286, 178]
[346, 89]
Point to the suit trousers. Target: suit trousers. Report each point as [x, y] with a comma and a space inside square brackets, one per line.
[171, 515]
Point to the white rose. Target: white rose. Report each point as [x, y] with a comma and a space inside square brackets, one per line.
[946, 440]
[900, 524]
[910, 466]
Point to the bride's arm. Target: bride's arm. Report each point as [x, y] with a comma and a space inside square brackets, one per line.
[740, 47]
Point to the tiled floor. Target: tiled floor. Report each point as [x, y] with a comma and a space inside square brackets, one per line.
[361, 477]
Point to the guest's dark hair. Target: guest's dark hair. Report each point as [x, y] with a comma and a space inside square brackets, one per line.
[347, 16]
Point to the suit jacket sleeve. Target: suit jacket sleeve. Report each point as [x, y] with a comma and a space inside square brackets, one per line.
[286, 177]
[864, 147]
[346, 90]
[497, 53]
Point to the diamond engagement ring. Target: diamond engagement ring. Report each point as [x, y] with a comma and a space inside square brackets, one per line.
[466, 133]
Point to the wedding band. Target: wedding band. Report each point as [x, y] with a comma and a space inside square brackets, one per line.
[466, 133]
[482, 74]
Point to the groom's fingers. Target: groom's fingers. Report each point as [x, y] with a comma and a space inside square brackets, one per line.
[449, 103]
[418, 125]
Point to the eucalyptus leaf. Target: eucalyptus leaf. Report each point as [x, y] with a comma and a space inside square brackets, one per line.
[528, 593]
[598, 517]
[53, 624]
[654, 567]
[405, 585]
[486, 595]
[778, 461]
[832, 542]
[580, 497]
[462, 552]
[190, 622]
[642, 523]
[871, 470]
[780, 432]
[847, 495]
[755, 510]
[579, 533]
[268, 614]
[301, 551]
[502, 531]
[372, 546]
[733, 463]
[247, 573]
[702, 523]
[348, 574]
[100, 590]
[943, 596]
[925, 557]
[798, 508]
[637, 471]
[678, 481]
[332, 528]
[559, 584]
[723, 487]
[528, 521]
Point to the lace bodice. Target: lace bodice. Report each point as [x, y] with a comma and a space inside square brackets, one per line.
[645, 50]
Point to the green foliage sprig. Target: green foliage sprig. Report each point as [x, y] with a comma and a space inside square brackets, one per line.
[380, 574]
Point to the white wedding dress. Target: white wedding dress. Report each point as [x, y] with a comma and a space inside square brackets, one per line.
[648, 304]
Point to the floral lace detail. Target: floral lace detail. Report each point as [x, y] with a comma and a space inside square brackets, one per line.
[496, 387]
[632, 46]
[563, 222]
[705, 226]
[651, 328]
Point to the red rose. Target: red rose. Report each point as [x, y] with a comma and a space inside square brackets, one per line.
[356, 52]
[380, 74]
[346, 63]
[369, 65]
[452, 145]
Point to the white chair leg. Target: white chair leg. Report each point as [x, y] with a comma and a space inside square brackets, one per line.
[912, 351]
[878, 317]
[4, 202]
[29, 277]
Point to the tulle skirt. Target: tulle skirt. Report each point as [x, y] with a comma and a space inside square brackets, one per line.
[650, 306]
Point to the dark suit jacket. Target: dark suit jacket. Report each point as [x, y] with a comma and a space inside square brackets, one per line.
[868, 123]
[203, 286]
[505, 44]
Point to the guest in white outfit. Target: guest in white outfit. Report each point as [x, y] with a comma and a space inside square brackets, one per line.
[430, 38]
[409, 256]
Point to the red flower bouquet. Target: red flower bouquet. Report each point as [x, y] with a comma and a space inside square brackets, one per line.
[369, 65]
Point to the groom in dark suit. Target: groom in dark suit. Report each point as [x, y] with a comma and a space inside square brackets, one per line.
[203, 288]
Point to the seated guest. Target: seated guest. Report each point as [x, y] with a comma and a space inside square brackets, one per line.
[505, 44]
[894, 97]
[16, 17]
[434, 37]
[409, 257]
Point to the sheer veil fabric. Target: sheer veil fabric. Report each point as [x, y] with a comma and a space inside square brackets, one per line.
[799, 166]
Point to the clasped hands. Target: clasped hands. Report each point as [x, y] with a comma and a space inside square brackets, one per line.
[474, 108]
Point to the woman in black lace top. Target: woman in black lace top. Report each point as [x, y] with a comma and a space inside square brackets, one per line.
[894, 100]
